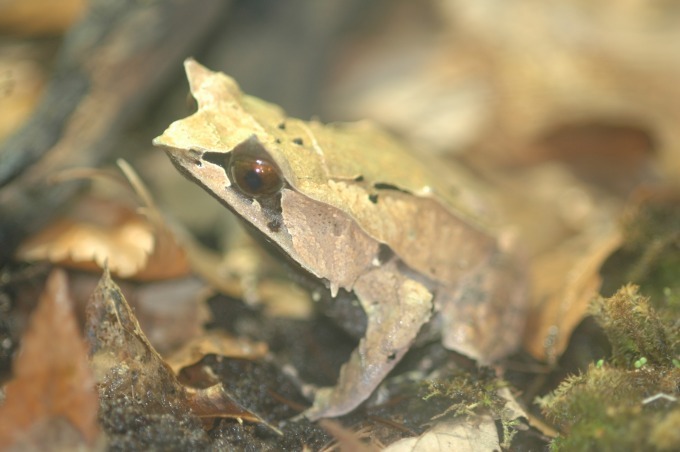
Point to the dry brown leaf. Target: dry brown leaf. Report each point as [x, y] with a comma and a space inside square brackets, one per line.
[554, 63]
[21, 84]
[38, 17]
[98, 230]
[566, 230]
[52, 379]
[216, 342]
[127, 366]
[590, 149]
[463, 79]
[565, 281]
[216, 402]
[171, 312]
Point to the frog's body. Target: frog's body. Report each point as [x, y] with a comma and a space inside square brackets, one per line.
[359, 212]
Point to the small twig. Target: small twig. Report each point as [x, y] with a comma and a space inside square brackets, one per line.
[659, 396]
[395, 425]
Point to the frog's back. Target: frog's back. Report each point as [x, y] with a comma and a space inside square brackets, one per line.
[394, 195]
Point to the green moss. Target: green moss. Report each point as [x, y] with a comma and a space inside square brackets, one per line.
[607, 409]
[630, 401]
[636, 332]
[470, 394]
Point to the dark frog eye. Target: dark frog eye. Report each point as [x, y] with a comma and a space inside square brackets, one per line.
[255, 176]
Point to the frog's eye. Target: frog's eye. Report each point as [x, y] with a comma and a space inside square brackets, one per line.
[255, 176]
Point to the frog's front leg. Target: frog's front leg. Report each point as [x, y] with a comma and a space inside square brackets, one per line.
[396, 308]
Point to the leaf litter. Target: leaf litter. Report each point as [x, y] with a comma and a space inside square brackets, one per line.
[524, 138]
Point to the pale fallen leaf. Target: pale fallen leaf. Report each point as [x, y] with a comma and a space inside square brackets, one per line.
[98, 231]
[473, 434]
[51, 402]
[555, 63]
[285, 299]
[404, 77]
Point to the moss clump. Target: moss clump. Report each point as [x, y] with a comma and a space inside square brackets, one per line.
[467, 394]
[608, 408]
[635, 330]
[631, 402]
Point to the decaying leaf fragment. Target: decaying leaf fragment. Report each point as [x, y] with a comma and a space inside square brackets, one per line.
[215, 342]
[477, 434]
[565, 281]
[130, 371]
[134, 240]
[51, 401]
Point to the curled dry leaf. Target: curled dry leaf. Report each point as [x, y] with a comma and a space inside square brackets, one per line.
[96, 232]
[127, 367]
[99, 230]
[216, 402]
[51, 401]
[215, 342]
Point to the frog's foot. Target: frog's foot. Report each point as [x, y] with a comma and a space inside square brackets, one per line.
[396, 308]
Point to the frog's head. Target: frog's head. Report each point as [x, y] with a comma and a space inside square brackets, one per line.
[225, 154]
[257, 168]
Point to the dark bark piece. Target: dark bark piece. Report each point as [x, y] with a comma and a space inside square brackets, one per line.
[105, 74]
